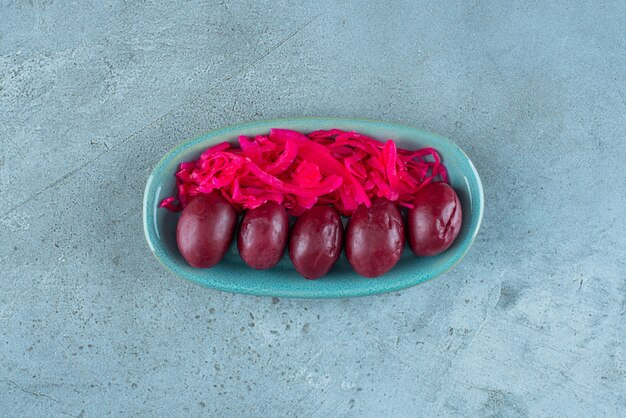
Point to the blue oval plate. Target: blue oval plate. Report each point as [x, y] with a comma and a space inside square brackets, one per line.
[232, 275]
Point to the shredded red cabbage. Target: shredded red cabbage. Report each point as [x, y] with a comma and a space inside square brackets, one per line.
[345, 169]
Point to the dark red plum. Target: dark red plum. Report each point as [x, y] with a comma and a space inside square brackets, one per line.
[205, 229]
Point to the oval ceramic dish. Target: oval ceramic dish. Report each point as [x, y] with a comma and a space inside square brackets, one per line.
[232, 275]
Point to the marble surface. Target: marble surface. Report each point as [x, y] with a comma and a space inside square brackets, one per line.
[531, 323]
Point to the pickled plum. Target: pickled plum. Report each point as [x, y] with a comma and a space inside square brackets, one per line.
[435, 221]
[316, 241]
[375, 238]
[263, 235]
[205, 229]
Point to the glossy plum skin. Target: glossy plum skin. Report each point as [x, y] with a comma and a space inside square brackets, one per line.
[435, 222]
[205, 229]
[375, 238]
[316, 241]
[263, 235]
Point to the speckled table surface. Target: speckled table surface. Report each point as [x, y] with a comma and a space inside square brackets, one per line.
[531, 323]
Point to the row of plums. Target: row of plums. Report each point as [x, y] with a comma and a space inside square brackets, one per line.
[374, 238]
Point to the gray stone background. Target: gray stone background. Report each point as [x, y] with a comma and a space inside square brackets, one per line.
[531, 323]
